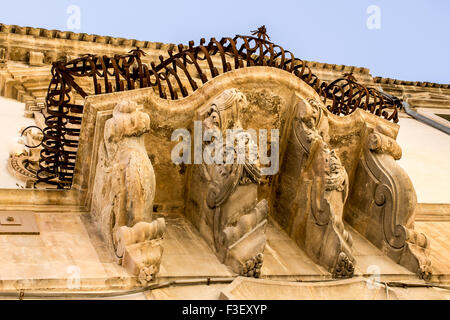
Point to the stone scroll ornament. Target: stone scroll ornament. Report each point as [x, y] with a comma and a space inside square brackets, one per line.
[23, 163]
[237, 218]
[313, 188]
[124, 191]
[384, 210]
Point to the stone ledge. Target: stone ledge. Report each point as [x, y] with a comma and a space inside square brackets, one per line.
[410, 83]
[68, 35]
[433, 212]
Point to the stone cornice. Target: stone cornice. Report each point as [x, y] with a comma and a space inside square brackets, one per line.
[338, 67]
[69, 35]
[128, 43]
[382, 80]
[122, 42]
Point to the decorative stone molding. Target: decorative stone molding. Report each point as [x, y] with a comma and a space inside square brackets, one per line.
[36, 58]
[124, 190]
[84, 37]
[320, 185]
[2, 54]
[229, 193]
[382, 80]
[384, 210]
[23, 163]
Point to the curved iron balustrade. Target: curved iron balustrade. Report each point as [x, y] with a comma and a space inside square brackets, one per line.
[127, 72]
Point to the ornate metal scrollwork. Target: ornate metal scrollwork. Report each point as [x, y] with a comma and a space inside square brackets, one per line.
[192, 65]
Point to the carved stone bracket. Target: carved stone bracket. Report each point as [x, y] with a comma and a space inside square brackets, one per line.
[225, 196]
[312, 191]
[383, 211]
[124, 191]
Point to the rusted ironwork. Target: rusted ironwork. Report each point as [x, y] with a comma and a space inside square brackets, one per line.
[63, 122]
[344, 95]
[179, 74]
[33, 127]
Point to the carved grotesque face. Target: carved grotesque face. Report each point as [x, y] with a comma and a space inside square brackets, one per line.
[225, 109]
[313, 120]
[335, 165]
[127, 121]
[307, 115]
[223, 171]
[323, 129]
[335, 174]
[212, 121]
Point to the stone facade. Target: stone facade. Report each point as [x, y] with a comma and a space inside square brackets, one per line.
[337, 193]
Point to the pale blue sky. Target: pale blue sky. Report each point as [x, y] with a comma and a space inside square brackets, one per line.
[413, 42]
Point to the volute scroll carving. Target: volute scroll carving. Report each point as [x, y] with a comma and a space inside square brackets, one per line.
[385, 211]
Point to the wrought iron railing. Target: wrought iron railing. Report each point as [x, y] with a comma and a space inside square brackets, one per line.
[181, 73]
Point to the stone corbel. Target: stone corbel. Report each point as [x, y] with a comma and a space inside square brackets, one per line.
[139, 248]
[124, 190]
[312, 191]
[239, 230]
[224, 197]
[384, 209]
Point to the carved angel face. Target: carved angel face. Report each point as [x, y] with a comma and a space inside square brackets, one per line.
[227, 106]
[223, 171]
[212, 121]
[333, 164]
[335, 173]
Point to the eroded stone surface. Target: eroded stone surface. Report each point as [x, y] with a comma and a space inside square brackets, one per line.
[222, 196]
[124, 191]
[277, 98]
[339, 146]
[312, 190]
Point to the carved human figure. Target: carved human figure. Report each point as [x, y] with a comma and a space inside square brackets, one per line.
[321, 189]
[230, 193]
[124, 190]
[328, 195]
[312, 190]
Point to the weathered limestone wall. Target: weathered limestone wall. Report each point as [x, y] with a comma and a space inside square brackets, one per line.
[426, 154]
[23, 78]
[11, 114]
